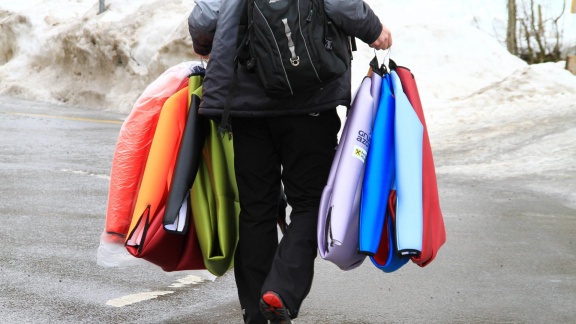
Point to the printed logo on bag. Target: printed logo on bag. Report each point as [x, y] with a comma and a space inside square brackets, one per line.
[364, 138]
[359, 153]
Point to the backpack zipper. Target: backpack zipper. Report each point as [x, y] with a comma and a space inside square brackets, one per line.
[294, 59]
[309, 20]
[277, 48]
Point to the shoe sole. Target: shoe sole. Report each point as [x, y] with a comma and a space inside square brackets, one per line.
[273, 308]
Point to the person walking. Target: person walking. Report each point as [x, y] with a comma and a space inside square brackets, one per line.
[279, 144]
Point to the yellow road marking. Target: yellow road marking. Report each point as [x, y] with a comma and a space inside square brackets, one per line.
[92, 120]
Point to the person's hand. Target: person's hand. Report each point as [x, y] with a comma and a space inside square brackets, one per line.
[384, 41]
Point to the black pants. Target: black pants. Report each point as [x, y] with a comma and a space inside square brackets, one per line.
[296, 151]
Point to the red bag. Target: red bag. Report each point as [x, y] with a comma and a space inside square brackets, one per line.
[434, 233]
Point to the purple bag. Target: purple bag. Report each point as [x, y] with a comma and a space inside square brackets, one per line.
[340, 203]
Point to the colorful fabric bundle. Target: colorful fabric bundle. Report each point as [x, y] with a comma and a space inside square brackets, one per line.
[181, 194]
[383, 202]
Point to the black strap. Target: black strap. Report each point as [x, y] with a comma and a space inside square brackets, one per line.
[244, 16]
[241, 46]
[381, 70]
[392, 64]
[224, 126]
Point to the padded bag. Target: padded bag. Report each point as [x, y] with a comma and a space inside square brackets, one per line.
[215, 202]
[293, 46]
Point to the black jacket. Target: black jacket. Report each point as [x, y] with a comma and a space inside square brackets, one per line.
[213, 25]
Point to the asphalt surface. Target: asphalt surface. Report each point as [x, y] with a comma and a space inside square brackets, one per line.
[510, 256]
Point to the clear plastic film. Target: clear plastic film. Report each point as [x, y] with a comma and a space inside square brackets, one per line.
[133, 146]
[130, 156]
[112, 254]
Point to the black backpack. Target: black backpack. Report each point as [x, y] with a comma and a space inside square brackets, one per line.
[292, 45]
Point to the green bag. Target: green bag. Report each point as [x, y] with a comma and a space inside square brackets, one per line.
[215, 202]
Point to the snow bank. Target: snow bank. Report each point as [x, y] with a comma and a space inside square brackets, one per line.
[73, 55]
[63, 51]
[78, 57]
[489, 114]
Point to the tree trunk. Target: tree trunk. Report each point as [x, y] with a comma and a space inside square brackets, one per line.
[511, 42]
[571, 63]
[530, 53]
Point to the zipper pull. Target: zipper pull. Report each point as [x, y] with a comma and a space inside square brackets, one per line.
[328, 43]
[327, 37]
[310, 12]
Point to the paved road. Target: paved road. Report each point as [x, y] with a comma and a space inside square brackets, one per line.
[510, 255]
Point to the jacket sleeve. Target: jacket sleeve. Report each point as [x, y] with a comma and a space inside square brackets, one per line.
[355, 18]
[202, 25]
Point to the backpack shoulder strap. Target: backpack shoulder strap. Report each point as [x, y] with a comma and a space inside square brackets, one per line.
[241, 55]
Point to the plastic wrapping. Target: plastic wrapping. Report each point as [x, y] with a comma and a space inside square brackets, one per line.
[112, 254]
[147, 238]
[133, 146]
[129, 160]
[157, 173]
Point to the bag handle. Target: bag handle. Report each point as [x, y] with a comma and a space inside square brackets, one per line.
[377, 68]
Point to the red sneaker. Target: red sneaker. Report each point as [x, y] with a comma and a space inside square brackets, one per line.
[273, 309]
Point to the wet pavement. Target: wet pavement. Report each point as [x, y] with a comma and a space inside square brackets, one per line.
[510, 255]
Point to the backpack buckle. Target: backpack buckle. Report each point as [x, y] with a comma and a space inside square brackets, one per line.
[251, 64]
[328, 43]
[295, 61]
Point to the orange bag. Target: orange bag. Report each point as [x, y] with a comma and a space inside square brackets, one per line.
[133, 146]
